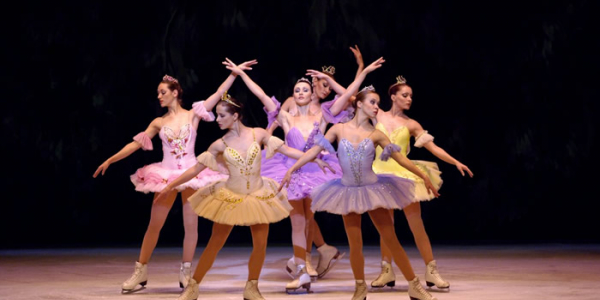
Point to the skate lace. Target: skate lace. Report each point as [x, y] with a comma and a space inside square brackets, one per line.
[422, 293]
[384, 271]
[136, 273]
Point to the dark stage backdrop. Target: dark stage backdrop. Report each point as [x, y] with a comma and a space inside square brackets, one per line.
[507, 87]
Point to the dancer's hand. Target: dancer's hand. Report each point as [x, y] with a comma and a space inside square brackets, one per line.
[316, 75]
[357, 55]
[322, 164]
[162, 195]
[375, 65]
[462, 169]
[237, 70]
[102, 168]
[246, 65]
[285, 181]
[430, 187]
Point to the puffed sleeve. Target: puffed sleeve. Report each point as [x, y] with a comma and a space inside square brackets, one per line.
[209, 160]
[272, 116]
[423, 139]
[199, 109]
[342, 117]
[388, 150]
[144, 140]
[273, 144]
[320, 140]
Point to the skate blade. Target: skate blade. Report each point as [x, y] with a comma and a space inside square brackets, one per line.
[125, 292]
[303, 289]
[433, 288]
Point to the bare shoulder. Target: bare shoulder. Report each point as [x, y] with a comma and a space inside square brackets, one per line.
[260, 133]
[414, 127]
[217, 146]
[157, 123]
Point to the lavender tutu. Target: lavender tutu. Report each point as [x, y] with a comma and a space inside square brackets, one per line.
[360, 190]
[305, 179]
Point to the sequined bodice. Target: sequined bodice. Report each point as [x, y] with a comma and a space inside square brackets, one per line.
[356, 162]
[244, 173]
[178, 147]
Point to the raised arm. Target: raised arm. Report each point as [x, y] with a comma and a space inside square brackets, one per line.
[142, 140]
[344, 99]
[252, 86]
[359, 60]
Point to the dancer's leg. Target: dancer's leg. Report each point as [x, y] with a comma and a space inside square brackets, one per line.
[190, 226]
[220, 233]
[382, 221]
[352, 223]
[158, 215]
[260, 234]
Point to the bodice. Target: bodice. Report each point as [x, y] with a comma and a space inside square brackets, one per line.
[399, 136]
[178, 147]
[244, 173]
[357, 162]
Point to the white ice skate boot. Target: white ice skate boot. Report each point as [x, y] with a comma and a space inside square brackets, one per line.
[302, 281]
[310, 269]
[387, 276]
[417, 292]
[329, 256]
[360, 290]
[251, 291]
[432, 277]
[290, 267]
[139, 276]
[185, 273]
[191, 291]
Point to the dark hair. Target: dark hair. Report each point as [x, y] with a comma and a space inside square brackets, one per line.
[394, 88]
[232, 109]
[174, 86]
[361, 96]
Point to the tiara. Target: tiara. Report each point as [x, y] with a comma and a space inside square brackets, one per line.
[169, 79]
[329, 70]
[227, 98]
[304, 80]
[369, 88]
[400, 80]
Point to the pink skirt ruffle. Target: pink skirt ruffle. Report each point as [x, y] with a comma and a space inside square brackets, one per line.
[154, 178]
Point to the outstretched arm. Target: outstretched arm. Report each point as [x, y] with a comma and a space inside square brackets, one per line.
[252, 86]
[417, 130]
[443, 155]
[150, 132]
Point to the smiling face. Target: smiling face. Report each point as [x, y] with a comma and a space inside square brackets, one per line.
[302, 93]
[166, 96]
[403, 97]
[322, 88]
[368, 103]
